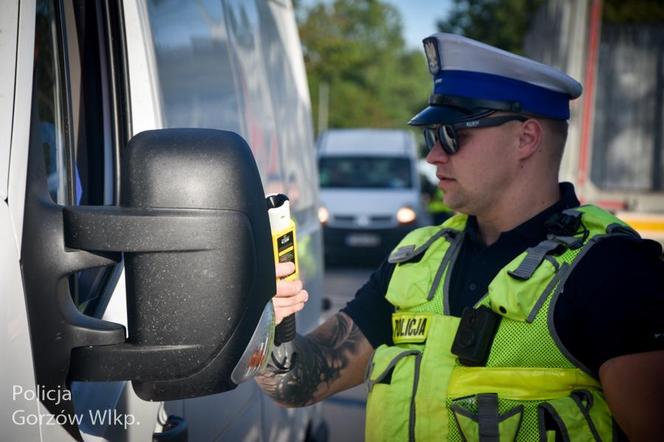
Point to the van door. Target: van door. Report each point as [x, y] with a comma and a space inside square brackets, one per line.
[78, 123]
[17, 376]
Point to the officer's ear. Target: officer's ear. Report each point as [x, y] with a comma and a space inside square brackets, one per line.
[531, 137]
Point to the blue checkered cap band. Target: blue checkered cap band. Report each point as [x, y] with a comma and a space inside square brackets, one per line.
[462, 67]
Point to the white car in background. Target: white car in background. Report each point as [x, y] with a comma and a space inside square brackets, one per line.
[369, 191]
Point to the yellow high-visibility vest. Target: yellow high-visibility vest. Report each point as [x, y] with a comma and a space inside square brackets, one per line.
[531, 388]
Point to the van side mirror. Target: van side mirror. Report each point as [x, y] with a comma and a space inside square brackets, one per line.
[193, 228]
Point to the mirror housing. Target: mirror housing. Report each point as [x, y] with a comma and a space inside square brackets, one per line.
[199, 269]
[192, 226]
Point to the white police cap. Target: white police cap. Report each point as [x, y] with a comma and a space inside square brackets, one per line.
[470, 78]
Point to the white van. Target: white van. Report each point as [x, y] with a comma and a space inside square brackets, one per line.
[135, 252]
[369, 191]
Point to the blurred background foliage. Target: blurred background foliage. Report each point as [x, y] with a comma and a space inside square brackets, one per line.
[500, 23]
[358, 63]
[360, 69]
[356, 50]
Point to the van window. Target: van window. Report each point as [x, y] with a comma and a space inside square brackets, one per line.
[192, 49]
[72, 111]
[50, 102]
[365, 172]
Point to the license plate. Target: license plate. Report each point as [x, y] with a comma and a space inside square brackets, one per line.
[362, 240]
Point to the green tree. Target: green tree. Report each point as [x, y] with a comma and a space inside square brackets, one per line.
[356, 48]
[500, 23]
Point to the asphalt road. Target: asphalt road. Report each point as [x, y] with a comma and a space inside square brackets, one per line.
[344, 412]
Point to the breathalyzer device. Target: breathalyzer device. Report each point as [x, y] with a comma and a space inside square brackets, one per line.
[272, 345]
[285, 250]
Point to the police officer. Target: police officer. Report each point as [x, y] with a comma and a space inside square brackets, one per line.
[525, 315]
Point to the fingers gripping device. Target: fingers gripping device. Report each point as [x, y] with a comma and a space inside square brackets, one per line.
[271, 347]
[285, 249]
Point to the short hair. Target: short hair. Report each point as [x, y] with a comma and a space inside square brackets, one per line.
[556, 138]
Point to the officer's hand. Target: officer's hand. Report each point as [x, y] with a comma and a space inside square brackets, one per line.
[290, 297]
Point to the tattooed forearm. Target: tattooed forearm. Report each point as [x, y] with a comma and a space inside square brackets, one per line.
[334, 351]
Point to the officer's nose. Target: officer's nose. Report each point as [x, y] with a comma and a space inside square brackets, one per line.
[437, 154]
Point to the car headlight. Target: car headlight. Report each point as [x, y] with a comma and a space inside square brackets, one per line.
[406, 215]
[323, 215]
[256, 355]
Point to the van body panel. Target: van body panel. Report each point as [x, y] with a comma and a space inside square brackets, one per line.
[288, 32]
[210, 417]
[143, 80]
[15, 342]
[117, 397]
[9, 32]
[18, 158]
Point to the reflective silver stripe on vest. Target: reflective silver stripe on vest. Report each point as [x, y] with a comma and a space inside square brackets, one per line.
[578, 396]
[561, 275]
[450, 254]
[558, 291]
[390, 366]
[416, 381]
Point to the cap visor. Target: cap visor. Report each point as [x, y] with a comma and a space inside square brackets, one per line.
[442, 115]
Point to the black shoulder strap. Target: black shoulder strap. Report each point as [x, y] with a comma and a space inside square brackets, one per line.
[563, 228]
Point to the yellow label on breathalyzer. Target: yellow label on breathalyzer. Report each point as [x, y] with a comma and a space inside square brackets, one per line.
[283, 245]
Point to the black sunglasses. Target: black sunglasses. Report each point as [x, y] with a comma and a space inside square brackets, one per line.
[447, 133]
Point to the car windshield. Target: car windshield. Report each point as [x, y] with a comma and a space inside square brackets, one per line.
[365, 172]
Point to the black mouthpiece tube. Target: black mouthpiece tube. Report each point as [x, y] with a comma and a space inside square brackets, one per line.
[285, 331]
[275, 200]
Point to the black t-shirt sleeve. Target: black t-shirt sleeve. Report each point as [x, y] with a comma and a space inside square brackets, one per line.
[370, 311]
[613, 302]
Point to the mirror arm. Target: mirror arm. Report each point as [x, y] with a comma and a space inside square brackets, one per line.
[134, 230]
[101, 352]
